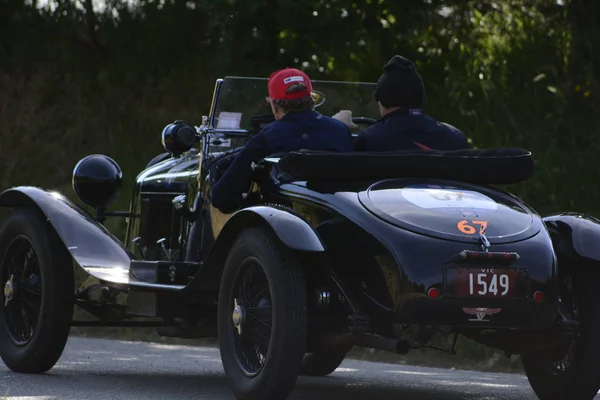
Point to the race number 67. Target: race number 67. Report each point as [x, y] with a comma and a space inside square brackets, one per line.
[467, 229]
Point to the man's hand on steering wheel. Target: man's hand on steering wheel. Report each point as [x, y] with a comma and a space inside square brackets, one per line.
[352, 122]
[364, 120]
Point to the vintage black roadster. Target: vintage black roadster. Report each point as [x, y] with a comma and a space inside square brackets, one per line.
[328, 251]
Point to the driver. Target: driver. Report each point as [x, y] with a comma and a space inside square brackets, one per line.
[297, 126]
[400, 94]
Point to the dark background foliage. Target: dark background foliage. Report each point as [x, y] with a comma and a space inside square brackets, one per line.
[82, 76]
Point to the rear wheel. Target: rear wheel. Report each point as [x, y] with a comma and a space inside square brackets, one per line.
[571, 372]
[36, 303]
[262, 317]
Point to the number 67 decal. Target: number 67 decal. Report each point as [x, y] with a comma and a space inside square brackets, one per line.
[467, 229]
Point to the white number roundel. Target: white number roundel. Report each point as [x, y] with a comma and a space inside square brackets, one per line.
[431, 196]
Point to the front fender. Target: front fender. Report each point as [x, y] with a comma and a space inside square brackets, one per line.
[575, 237]
[92, 246]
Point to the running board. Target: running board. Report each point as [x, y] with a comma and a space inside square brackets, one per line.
[158, 287]
[152, 300]
[152, 285]
[118, 324]
[162, 275]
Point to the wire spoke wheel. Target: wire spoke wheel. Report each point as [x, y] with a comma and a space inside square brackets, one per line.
[262, 317]
[36, 299]
[22, 294]
[568, 371]
[563, 359]
[251, 317]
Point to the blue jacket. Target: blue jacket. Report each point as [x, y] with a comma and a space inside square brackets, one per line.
[406, 129]
[303, 130]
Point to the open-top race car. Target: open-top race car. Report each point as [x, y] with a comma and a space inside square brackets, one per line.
[328, 251]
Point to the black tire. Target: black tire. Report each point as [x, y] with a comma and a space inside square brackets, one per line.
[29, 247]
[580, 379]
[257, 251]
[321, 363]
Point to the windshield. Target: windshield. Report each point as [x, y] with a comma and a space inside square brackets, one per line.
[238, 99]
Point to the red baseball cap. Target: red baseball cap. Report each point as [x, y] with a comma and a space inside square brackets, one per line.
[281, 80]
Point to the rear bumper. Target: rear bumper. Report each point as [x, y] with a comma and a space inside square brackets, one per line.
[493, 314]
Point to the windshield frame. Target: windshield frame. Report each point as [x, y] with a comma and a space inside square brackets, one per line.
[237, 132]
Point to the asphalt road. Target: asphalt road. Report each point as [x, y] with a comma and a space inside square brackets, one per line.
[104, 369]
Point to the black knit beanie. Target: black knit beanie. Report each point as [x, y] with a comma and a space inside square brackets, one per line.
[400, 85]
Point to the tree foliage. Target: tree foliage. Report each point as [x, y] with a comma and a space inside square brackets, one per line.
[106, 76]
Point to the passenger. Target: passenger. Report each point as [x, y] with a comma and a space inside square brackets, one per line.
[400, 94]
[297, 126]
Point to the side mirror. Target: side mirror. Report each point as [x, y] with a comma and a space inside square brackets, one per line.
[97, 180]
[178, 138]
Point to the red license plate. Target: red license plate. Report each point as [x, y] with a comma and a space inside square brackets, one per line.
[486, 282]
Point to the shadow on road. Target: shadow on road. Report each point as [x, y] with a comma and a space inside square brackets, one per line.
[74, 384]
[113, 370]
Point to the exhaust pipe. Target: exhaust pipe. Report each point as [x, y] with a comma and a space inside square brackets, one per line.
[397, 346]
[346, 341]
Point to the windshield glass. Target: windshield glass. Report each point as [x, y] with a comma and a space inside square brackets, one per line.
[238, 99]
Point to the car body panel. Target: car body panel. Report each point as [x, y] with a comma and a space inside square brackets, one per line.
[410, 263]
[92, 246]
[576, 236]
[449, 210]
[292, 230]
[405, 257]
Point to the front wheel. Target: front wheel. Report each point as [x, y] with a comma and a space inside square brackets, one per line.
[36, 303]
[262, 317]
[571, 372]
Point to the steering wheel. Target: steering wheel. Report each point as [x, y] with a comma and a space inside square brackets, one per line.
[364, 120]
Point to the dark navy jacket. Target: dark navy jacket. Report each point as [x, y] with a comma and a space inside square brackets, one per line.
[304, 130]
[406, 129]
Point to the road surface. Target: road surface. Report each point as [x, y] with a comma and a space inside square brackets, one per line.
[105, 369]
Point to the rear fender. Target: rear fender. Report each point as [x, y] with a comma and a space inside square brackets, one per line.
[92, 246]
[291, 230]
[575, 238]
